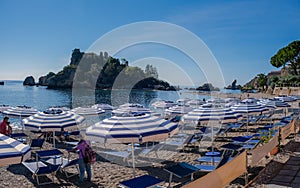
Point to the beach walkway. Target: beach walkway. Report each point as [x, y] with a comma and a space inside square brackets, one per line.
[289, 175]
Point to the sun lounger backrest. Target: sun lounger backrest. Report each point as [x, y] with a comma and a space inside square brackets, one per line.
[226, 156]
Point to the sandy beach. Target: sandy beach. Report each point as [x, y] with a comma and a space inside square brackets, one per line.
[109, 174]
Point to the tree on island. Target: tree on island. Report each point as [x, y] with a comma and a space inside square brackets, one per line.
[262, 81]
[289, 54]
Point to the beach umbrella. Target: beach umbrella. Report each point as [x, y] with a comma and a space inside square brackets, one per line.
[4, 107]
[20, 111]
[195, 102]
[53, 120]
[12, 151]
[62, 108]
[124, 111]
[249, 108]
[286, 98]
[182, 101]
[162, 104]
[132, 129]
[104, 106]
[137, 105]
[204, 115]
[178, 110]
[88, 111]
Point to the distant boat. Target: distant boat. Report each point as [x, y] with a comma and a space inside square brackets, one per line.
[1, 82]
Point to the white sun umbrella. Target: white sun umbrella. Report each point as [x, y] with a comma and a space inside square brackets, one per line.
[52, 120]
[4, 107]
[195, 102]
[131, 129]
[249, 108]
[182, 101]
[137, 105]
[12, 151]
[124, 111]
[104, 106]
[62, 108]
[88, 111]
[216, 100]
[212, 116]
[286, 98]
[204, 115]
[178, 110]
[20, 111]
[162, 104]
[250, 100]
[91, 115]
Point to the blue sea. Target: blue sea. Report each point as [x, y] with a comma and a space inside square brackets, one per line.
[13, 93]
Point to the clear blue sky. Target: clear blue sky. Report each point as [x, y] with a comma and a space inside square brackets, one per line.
[38, 36]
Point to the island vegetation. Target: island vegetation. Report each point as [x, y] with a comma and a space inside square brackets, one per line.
[107, 71]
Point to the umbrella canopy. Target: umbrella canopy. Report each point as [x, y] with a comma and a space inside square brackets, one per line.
[88, 111]
[53, 121]
[249, 108]
[163, 104]
[274, 103]
[62, 108]
[178, 110]
[104, 106]
[20, 111]
[212, 114]
[131, 105]
[137, 129]
[134, 129]
[4, 107]
[286, 98]
[125, 111]
[12, 151]
[195, 102]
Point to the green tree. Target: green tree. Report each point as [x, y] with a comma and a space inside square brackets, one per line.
[289, 54]
[262, 80]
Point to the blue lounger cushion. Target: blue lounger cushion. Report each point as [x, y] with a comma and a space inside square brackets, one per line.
[182, 169]
[141, 182]
[205, 168]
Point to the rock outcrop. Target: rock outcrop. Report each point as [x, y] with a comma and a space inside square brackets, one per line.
[207, 87]
[233, 86]
[29, 81]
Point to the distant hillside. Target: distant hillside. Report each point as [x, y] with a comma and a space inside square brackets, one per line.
[113, 73]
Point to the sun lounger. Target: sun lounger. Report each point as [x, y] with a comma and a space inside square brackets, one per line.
[40, 169]
[68, 164]
[141, 182]
[181, 170]
[21, 137]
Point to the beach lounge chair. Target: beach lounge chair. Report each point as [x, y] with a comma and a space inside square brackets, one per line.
[21, 137]
[224, 159]
[66, 163]
[140, 182]
[181, 170]
[37, 143]
[38, 169]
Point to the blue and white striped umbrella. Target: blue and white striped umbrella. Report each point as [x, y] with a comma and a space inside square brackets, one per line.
[104, 106]
[162, 104]
[136, 129]
[53, 121]
[204, 115]
[125, 111]
[4, 107]
[12, 151]
[178, 110]
[88, 111]
[20, 111]
[249, 108]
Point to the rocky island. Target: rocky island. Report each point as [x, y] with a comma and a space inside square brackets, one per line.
[90, 70]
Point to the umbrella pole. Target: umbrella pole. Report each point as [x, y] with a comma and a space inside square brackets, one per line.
[133, 163]
[53, 135]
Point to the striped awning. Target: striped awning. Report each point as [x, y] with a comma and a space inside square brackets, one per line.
[53, 121]
[12, 151]
[212, 114]
[20, 111]
[137, 129]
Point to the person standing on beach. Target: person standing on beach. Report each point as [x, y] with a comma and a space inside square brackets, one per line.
[5, 128]
[81, 146]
